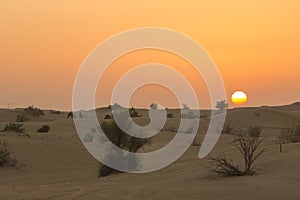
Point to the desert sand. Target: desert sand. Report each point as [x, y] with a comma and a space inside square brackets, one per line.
[56, 165]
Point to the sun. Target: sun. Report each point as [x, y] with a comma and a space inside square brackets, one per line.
[239, 98]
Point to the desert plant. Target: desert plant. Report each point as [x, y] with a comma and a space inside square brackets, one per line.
[254, 130]
[227, 129]
[122, 140]
[33, 111]
[22, 118]
[291, 133]
[134, 112]
[14, 127]
[55, 112]
[170, 115]
[154, 106]
[222, 105]
[6, 156]
[248, 147]
[107, 116]
[44, 129]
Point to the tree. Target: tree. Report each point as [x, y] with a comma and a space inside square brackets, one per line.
[222, 105]
[154, 106]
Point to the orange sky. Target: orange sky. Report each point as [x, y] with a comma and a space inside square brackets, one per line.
[256, 44]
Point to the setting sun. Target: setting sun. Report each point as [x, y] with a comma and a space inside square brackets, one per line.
[239, 98]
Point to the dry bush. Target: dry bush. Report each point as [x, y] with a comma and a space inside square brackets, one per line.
[122, 140]
[228, 129]
[22, 118]
[33, 111]
[6, 156]
[291, 133]
[248, 147]
[14, 127]
[254, 130]
[44, 129]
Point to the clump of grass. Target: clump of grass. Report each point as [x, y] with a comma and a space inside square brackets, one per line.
[14, 127]
[107, 116]
[44, 129]
[22, 118]
[33, 111]
[6, 156]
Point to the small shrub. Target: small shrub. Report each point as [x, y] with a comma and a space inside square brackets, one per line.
[33, 111]
[254, 130]
[122, 140]
[227, 129]
[170, 115]
[222, 105]
[44, 129]
[6, 156]
[134, 113]
[248, 147]
[55, 112]
[204, 116]
[14, 127]
[22, 118]
[107, 116]
[291, 133]
[154, 106]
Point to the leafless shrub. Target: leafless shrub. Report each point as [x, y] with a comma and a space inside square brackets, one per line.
[6, 156]
[248, 147]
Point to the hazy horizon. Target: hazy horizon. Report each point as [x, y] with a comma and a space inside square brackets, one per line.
[255, 45]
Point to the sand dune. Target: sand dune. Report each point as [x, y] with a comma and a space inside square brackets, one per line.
[57, 166]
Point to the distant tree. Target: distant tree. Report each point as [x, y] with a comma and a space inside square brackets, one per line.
[154, 106]
[222, 105]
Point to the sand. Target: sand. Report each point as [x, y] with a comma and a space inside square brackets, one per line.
[55, 165]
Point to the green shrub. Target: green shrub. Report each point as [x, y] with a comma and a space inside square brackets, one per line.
[33, 111]
[6, 156]
[22, 118]
[44, 129]
[14, 127]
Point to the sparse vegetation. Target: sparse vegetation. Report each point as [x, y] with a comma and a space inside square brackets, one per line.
[122, 140]
[33, 111]
[254, 130]
[55, 112]
[14, 127]
[228, 129]
[291, 133]
[44, 129]
[154, 106]
[222, 105]
[248, 147]
[170, 115]
[134, 112]
[22, 118]
[107, 116]
[6, 156]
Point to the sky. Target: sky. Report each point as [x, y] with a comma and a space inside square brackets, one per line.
[255, 44]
